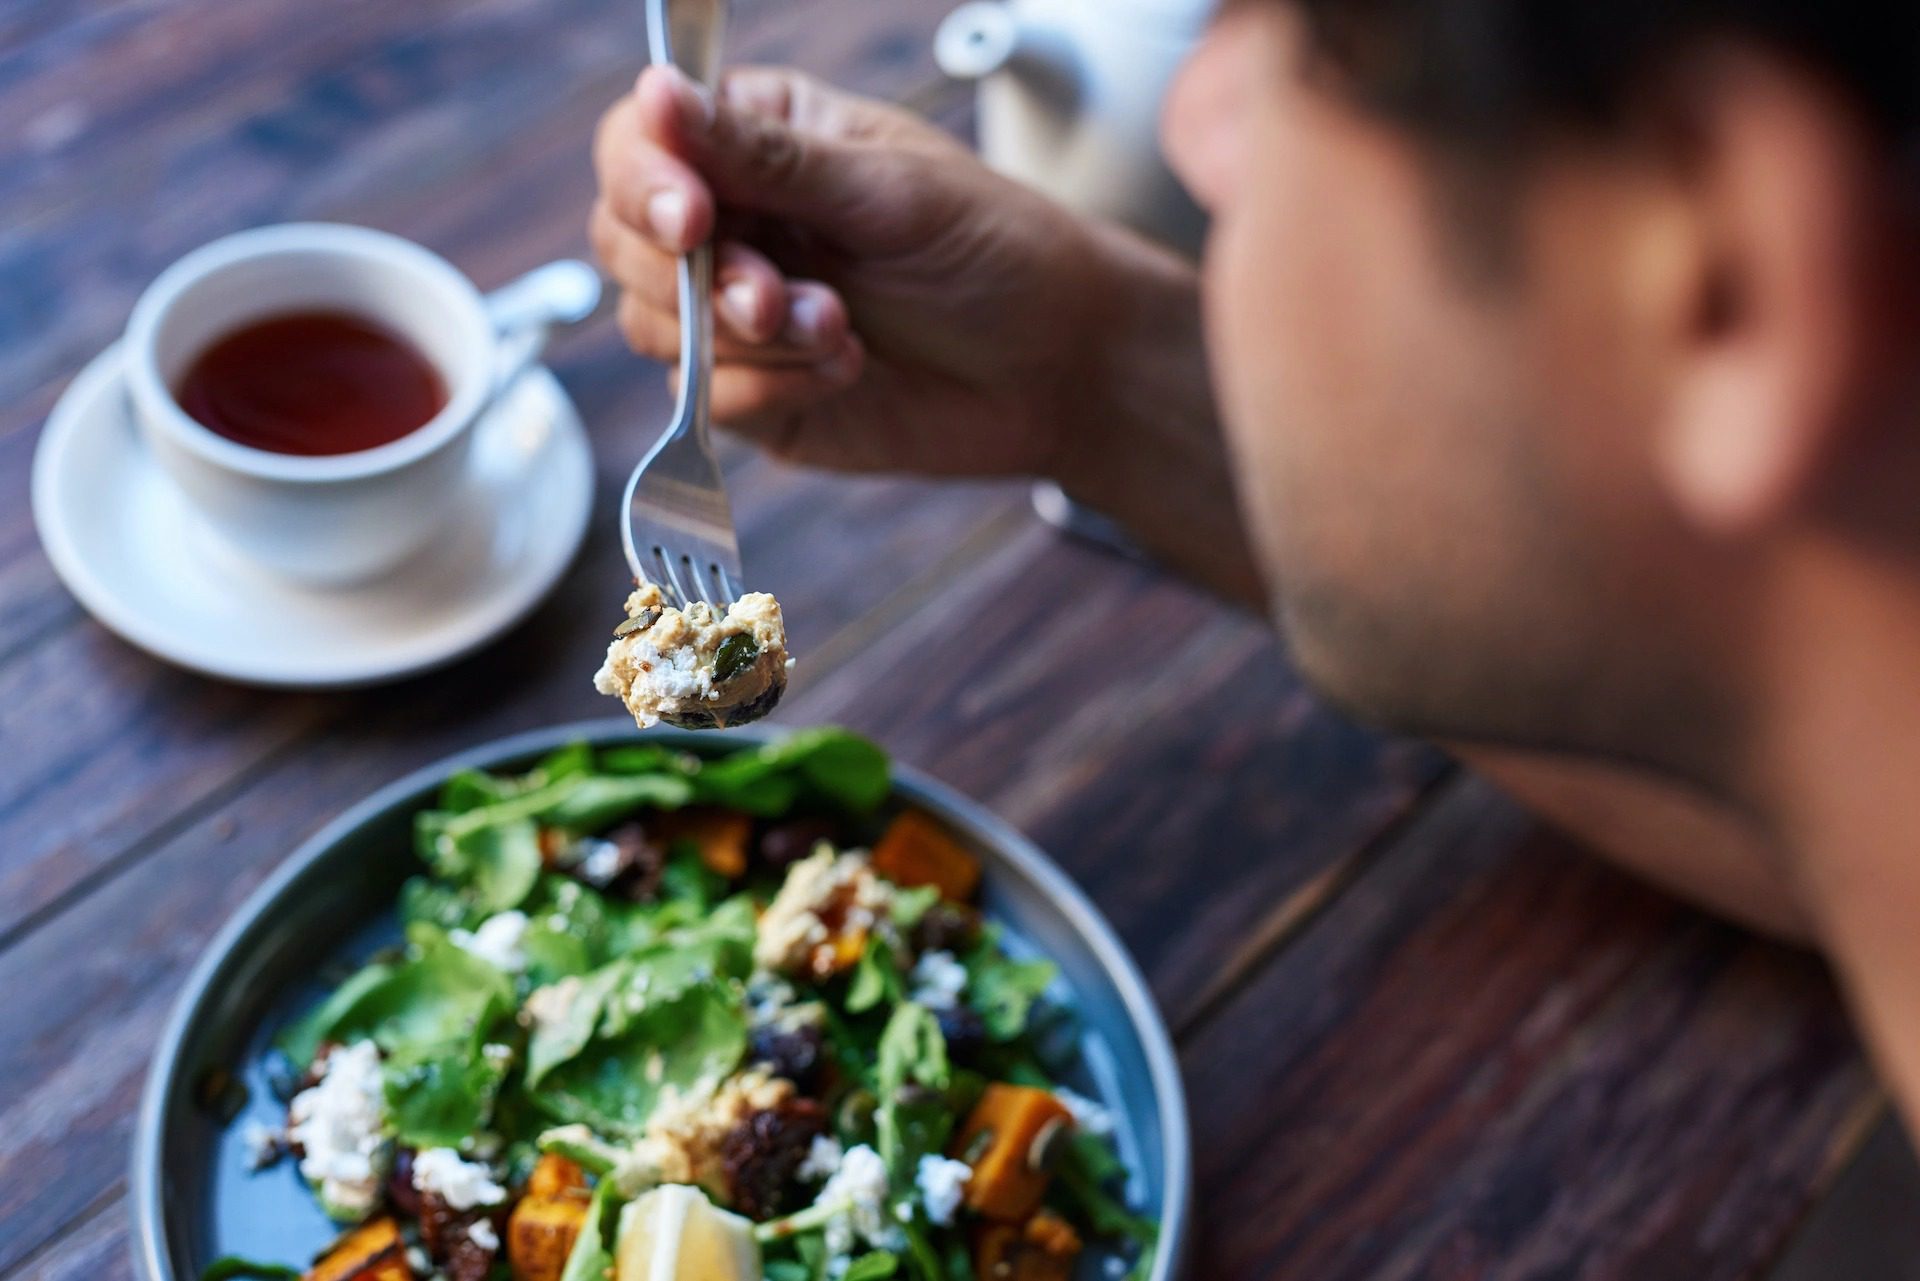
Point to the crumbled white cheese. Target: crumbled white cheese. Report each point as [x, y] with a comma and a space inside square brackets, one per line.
[822, 1159]
[497, 941]
[938, 980]
[1089, 1117]
[336, 1125]
[599, 861]
[419, 1260]
[481, 1233]
[942, 1182]
[263, 1144]
[793, 936]
[460, 1183]
[857, 1194]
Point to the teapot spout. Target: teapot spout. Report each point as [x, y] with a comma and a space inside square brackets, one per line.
[977, 39]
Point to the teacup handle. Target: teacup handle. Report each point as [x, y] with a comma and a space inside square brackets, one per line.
[524, 312]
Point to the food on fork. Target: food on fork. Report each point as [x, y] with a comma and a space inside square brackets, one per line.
[697, 667]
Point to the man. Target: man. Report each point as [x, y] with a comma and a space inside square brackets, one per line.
[1566, 361]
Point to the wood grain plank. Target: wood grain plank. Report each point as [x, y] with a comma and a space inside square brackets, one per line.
[1869, 1225]
[1494, 1058]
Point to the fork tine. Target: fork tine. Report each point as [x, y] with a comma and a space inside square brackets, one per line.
[713, 583]
[670, 580]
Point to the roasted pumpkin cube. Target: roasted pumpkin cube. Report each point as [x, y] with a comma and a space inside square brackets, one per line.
[1007, 1139]
[915, 850]
[373, 1251]
[554, 1175]
[1041, 1249]
[722, 837]
[541, 1232]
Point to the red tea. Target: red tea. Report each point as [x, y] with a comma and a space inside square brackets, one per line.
[312, 382]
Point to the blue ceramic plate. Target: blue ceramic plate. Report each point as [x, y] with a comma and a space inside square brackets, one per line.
[333, 902]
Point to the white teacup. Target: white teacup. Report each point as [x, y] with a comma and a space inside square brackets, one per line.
[341, 518]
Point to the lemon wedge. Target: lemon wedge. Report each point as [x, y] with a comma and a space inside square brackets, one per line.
[674, 1233]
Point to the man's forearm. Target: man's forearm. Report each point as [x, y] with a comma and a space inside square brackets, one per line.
[1145, 446]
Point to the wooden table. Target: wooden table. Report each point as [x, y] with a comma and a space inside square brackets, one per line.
[1422, 1038]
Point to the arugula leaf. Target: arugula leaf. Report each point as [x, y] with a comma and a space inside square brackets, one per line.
[230, 1267]
[833, 765]
[1002, 990]
[438, 996]
[875, 978]
[1087, 1169]
[588, 803]
[688, 881]
[912, 903]
[424, 899]
[471, 789]
[908, 1124]
[690, 1039]
[875, 1265]
[591, 1258]
[443, 1099]
[646, 758]
[554, 1043]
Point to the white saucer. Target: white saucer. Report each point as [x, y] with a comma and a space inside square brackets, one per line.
[125, 542]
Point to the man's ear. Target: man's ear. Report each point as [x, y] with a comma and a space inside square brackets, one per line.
[1785, 329]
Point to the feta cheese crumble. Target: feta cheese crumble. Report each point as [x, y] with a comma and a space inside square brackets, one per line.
[857, 1197]
[462, 1184]
[497, 941]
[264, 1144]
[481, 1233]
[336, 1125]
[942, 1182]
[938, 980]
[1089, 1117]
[698, 667]
[823, 1158]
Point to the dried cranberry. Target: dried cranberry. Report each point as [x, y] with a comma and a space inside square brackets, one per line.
[795, 1050]
[400, 1189]
[447, 1234]
[467, 1259]
[759, 1155]
[783, 844]
[440, 1224]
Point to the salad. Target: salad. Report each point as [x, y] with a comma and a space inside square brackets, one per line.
[666, 1018]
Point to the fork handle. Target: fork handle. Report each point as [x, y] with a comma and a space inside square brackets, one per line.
[687, 34]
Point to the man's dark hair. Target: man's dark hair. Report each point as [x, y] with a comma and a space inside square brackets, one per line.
[1485, 75]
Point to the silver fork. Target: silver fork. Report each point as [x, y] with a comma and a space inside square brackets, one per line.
[679, 527]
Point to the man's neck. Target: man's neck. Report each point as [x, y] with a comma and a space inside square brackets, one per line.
[1838, 777]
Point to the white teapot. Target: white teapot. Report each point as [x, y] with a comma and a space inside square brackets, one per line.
[1069, 100]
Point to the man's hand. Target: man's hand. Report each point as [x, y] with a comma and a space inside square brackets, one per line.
[883, 300]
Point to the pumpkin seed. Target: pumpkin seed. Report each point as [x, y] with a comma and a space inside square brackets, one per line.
[1047, 1145]
[645, 618]
[735, 655]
